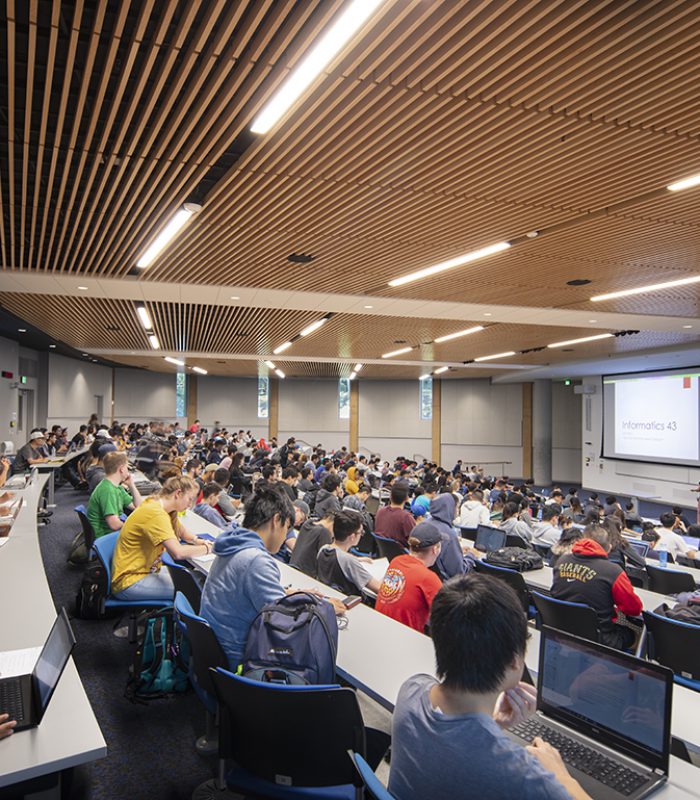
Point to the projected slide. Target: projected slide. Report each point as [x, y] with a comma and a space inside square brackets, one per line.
[653, 416]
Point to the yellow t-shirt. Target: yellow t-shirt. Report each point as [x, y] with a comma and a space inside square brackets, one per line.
[352, 473]
[140, 544]
[351, 487]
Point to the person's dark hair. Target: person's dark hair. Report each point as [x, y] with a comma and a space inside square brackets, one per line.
[694, 530]
[510, 510]
[238, 460]
[193, 463]
[593, 496]
[331, 482]
[211, 488]
[650, 535]
[647, 525]
[677, 510]
[399, 494]
[592, 517]
[599, 534]
[305, 472]
[667, 519]
[557, 493]
[551, 511]
[477, 494]
[629, 506]
[478, 628]
[269, 471]
[345, 523]
[264, 504]
[364, 487]
[611, 500]
[572, 491]
[428, 488]
[221, 476]
[290, 472]
[575, 504]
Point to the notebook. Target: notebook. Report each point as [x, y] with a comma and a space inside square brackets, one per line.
[607, 712]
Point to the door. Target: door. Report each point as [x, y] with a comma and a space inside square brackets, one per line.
[25, 414]
[99, 407]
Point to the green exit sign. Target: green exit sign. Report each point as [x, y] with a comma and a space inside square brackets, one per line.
[567, 382]
[23, 379]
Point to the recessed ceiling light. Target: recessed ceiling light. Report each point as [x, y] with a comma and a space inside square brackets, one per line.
[282, 348]
[466, 332]
[270, 365]
[687, 326]
[654, 287]
[83, 288]
[280, 373]
[593, 320]
[235, 297]
[451, 263]
[582, 340]
[153, 339]
[174, 361]
[353, 375]
[686, 183]
[488, 314]
[358, 367]
[441, 370]
[425, 377]
[397, 352]
[169, 232]
[85, 354]
[497, 355]
[369, 306]
[313, 327]
[200, 370]
[21, 330]
[144, 318]
[52, 346]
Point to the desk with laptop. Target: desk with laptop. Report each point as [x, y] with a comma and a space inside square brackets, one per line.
[54, 463]
[376, 654]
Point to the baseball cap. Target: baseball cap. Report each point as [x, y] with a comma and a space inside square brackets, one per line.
[37, 435]
[211, 467]
[103, 449]
[302, 506]
[103, 433]
[426, 533]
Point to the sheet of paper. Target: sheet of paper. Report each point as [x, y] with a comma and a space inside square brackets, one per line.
[18, 662]
[378, 567]
[205, 559]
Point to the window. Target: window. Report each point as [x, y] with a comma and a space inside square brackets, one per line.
[263, 397]
[426, 398]
[180, 395]
[344, 398]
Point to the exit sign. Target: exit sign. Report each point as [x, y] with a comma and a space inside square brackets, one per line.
[6, 374]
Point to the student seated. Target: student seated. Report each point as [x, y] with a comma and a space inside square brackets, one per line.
[30, 453]
[547, 531]
[207, 507]
[672, 542]
[474, 511]
[586, 576]
[328, 496]
[96, 472]
[393, 521]
[312, 536]
[114, 495]
[301, 514]
[455, 557]
[409, 585]
[337, 566]
[514, 526]
[447, 735]
[149, 530]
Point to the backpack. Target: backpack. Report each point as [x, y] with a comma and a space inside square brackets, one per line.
[160, 663]
[78, 553]
[293, 641]
[515, 558]
[93, 591]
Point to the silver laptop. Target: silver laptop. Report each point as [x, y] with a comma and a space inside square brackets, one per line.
[607, 712]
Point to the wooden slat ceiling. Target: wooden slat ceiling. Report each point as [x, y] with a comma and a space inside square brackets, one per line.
[443, 127]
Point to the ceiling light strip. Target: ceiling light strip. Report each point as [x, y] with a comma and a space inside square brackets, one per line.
[174, 361]
[686, 183]
[397, 352]
[496, 355]
[456, 335]
[654, 287]
[200, 370]
[443, 266]
[582, 340]
[169, 232]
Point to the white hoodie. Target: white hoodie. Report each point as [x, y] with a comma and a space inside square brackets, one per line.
[473, 513]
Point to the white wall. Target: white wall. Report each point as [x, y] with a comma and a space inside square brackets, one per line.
[140, 395]
[389, 419]
[666, 483]
[9, 362]
[232, 401]
[482, 423]
[73, 385]
[566, 434]
[308, 410]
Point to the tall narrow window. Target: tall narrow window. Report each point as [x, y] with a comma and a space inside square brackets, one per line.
[344, 398]
[426, 398]
[180, 394]
[263, 397]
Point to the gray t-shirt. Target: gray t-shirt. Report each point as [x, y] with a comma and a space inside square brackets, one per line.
[456, 757]
[352, 568]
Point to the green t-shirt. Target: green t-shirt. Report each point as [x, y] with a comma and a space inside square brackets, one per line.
[106, 499]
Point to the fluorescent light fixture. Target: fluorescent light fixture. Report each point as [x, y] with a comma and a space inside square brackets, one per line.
[200, 370]
[451, 263]
[235, 297]
[168, 233]
[686, 183]
[465, 332]
[441, 370]
[310, 67]
[153, 339]
[581, 341]
[144, 317]
[174, 361]
[21, 330]
[314, 326]
[282, 348]
[397, 352]
[497, 355]
[52, 346]
[353, 375]
[425, 377]
[83, 288]
[270, 365]
[280, 373]
[358, 367]
[654, 287]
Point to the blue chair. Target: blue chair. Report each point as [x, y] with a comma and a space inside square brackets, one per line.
[88, 532]
[576, 618]
[388, 548]
[184, 581]
[676, 645]
[104, 548]
[374, 786]
[205, 653]
[514, 579]
[669, 581]
[272, 760]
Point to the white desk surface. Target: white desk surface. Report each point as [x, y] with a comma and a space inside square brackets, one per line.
[376, 654]
[69, 734]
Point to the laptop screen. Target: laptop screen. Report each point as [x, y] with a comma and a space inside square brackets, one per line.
[52, 660]
[488, 538]
[620, 701]
[640, 547]
[693, 541]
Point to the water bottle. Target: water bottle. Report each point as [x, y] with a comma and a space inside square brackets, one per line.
[663, 556]
[539, 513]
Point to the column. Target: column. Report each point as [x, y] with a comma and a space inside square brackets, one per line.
[354, 416]
[542, 433]
[436, 433]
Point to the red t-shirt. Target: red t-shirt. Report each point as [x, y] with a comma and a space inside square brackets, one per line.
[407, 592]
[394, 523]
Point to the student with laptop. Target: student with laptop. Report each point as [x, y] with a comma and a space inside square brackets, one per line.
[450, 733]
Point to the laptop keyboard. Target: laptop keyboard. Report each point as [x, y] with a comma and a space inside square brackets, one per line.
[589, 761]
[11, 700]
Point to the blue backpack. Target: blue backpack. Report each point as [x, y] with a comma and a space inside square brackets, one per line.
[293, 641]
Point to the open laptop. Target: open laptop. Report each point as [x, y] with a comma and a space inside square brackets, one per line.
[488, 538]
[642, 548]
[8, 515]
[607, 712]
[26, 697]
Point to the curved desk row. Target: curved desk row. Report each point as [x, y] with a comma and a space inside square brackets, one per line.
[68, 734]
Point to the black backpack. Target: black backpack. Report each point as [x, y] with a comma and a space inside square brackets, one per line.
[515, 558]
[93, 591]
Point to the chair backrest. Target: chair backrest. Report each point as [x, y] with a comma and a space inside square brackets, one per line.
[372, 505]
[104, 547]
[669, 581]
[514, 579]
[88, 532]
[204, 646]
[576, 618]
[513, 540]
[270, 730]
[674, 644]
[375, 788]
[389, 548]
[184, 581]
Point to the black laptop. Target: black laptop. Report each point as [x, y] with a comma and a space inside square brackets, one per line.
[489, 538]
[26, 697]
[608, 714]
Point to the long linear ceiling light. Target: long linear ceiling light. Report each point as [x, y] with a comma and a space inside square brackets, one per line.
[200, 370]
[174, 361]
[282, 348]
[397, 352]
[144, 317]
[654, 287]
[169, 232]
[280, 373]
[358, 367]
[309, 329]
[270, 365]
[441, 370]
[153, 339]
[497, 355]
[459, 261]
[353, 375]
[318, 58]
[466, 332]
[686, 183]
[581, 341]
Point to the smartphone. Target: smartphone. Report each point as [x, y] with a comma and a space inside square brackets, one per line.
[351, 600]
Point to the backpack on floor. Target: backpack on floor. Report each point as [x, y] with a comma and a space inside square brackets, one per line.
[160, 663]
[293, 641]
[515, 558]
[78, 553]
[93, 591]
